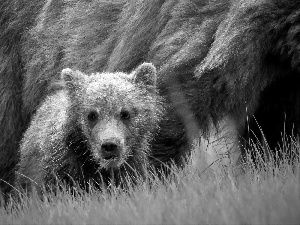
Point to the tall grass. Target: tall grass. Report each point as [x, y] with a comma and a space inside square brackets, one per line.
[267, 193]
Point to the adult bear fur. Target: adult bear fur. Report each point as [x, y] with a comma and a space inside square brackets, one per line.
[224, 58]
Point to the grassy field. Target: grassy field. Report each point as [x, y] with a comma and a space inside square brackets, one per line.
[260, 196]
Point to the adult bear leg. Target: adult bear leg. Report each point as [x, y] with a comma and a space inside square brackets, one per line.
[221, 145]
[15, 18]
[11, 119]
[277, 118]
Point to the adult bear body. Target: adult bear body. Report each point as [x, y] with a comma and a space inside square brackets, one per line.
[220, 63]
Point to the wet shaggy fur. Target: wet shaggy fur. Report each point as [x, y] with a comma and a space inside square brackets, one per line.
[94, 127]
[216, 59]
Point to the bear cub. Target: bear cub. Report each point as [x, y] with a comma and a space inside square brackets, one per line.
[96, 129]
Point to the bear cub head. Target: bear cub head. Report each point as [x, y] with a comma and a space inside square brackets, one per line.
[97, 128]
[115, 115]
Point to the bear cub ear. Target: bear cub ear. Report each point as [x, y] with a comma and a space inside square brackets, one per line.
[145, 74]
[72, 79]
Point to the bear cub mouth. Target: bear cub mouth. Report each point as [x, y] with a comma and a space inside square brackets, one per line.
[110, 157]
[112, 161]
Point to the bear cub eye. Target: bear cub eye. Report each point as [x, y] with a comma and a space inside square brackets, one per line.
[92, 116]
[125, 114]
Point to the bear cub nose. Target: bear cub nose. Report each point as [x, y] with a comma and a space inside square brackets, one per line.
[110, 150]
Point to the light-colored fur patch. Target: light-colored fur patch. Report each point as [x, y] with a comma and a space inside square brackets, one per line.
[219, 149]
